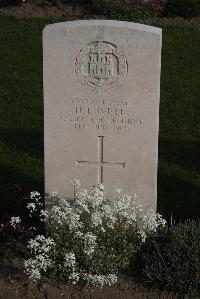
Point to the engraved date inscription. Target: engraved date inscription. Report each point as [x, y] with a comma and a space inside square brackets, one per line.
[107, 115]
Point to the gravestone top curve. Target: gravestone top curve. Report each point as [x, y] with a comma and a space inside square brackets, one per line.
[111, 23]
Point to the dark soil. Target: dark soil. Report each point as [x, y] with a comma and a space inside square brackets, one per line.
[14, 283]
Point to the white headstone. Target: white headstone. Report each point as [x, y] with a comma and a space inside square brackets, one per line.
[101, 106]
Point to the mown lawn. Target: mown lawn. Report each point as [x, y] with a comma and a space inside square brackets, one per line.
[21, 116]
[179, 138]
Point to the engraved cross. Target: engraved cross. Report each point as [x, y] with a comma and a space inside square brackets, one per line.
[100, 164]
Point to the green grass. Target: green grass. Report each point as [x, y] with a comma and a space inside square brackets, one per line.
[21, 115]
[179, 138]
[21, 107]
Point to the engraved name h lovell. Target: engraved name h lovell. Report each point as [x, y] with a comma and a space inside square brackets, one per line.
[99, 66]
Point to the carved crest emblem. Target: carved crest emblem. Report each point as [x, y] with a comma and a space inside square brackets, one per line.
[100, 66]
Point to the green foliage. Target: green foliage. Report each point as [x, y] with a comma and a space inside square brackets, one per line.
[171, 260]
[113, 251]
[117, 12]
[183, 8]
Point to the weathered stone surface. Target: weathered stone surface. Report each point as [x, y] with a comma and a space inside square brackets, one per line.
[101, 106]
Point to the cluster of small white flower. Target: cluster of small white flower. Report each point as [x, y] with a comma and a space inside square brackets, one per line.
[74, 277]
[35, 195]
[90, 243]
[150, 222]
[86, 218]
[35, 204]
[96, 219]
[15, 221]
[93, 279]
[70, 263]
[100, 280]
[41, 247]
[70, 260]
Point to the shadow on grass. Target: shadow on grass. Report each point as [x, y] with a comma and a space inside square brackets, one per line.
[20, 142]
[183, 153]
[9, 179]
[178, 198]
[179, 180]
[26, 140]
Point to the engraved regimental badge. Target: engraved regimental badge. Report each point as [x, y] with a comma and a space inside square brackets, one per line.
[100, 66]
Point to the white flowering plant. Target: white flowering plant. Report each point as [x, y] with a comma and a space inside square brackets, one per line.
[89, 238]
